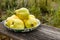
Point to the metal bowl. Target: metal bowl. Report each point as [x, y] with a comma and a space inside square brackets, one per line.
[24, 30]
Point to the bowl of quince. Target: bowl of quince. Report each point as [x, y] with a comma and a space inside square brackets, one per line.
[21, 21]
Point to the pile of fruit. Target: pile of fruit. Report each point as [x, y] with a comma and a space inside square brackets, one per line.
[21, 19]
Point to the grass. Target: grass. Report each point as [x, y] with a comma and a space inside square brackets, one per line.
[48, 12]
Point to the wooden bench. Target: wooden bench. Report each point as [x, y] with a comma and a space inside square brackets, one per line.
[43, 32]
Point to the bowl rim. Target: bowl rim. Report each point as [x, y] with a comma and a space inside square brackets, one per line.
[39, 23]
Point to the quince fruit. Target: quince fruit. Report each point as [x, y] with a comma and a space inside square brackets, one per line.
[22, 13]
[32, 22]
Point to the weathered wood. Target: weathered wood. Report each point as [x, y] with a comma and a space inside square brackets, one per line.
[43, 32]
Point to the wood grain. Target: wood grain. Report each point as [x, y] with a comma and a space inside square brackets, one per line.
[43, 32]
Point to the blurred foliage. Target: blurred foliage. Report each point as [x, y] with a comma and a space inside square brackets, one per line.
[55, 20]
[47, 11]
[35, 11]
[7, 13]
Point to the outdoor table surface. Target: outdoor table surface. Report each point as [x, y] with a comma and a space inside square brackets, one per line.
[43, 32]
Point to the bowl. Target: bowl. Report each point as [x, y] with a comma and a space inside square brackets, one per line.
[24, 30]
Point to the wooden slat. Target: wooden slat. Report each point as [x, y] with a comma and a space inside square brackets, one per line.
[43, 32]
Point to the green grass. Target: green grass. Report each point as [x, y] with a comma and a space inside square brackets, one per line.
[45, 10]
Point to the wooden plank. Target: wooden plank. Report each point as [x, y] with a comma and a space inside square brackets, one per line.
[43, 32]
